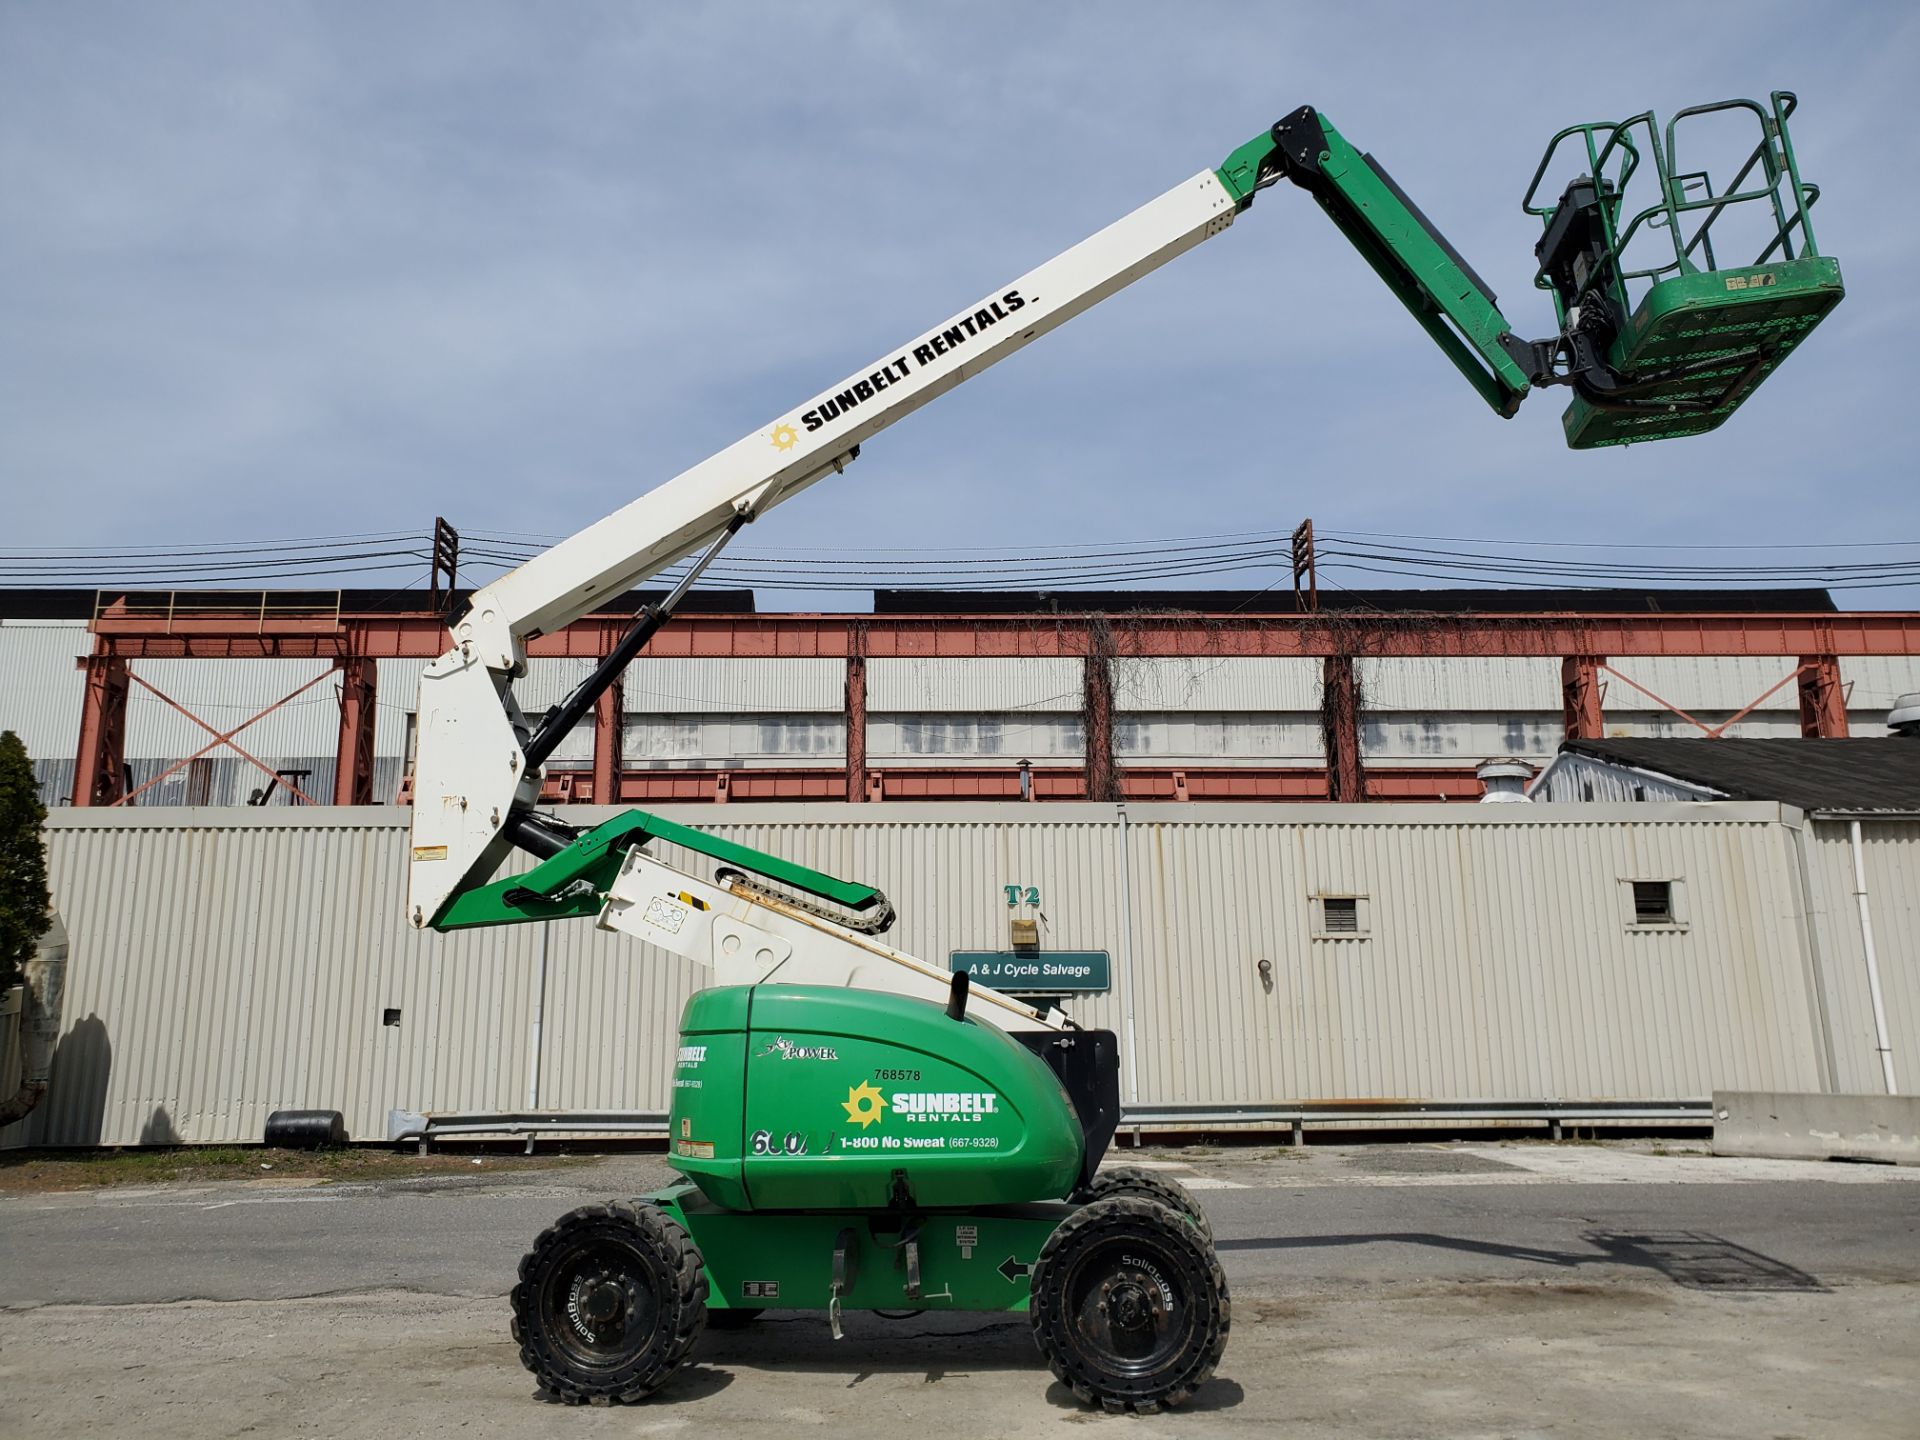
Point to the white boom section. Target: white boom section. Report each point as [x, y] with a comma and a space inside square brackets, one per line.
[746, 939]
[468, 772]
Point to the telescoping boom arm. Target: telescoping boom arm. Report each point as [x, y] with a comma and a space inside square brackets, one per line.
[477, 771]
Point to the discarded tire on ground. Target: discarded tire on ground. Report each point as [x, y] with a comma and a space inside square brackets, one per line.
[611, 1300]
[1131, 1180]
[1130, 1307]
[306, 1129]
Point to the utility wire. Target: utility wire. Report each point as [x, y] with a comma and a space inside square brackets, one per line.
[1544, 564]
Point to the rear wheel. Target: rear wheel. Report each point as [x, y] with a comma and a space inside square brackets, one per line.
[1146, 1185]
[610, 1302]
[1130, 1306]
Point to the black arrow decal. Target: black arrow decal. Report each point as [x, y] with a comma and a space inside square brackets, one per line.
[1013, 1269]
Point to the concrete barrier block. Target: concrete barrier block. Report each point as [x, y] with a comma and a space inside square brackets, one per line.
[1787, 1126]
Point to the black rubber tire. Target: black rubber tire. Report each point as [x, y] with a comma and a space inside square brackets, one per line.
[732, 1319]
[1130, 1306]
[642, 1270]
[1130, 1180]
[306, 1130]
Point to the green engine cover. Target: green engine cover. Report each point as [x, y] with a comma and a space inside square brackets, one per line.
[804, 1097]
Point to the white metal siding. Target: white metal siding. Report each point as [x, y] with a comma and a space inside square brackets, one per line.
[681, 686]
[986, 686]
[1235, 736]
[1581, 779]
[1418, 684]
[935, 739]
[1875, 682]
[1498, 963]
[226, 694]
[398, 684]
[1648, 724]
[729, 740]
[1457, 739]
[226, 964]
[1720, 684]
[1892, 853]
[41, 689]
[1214, 683]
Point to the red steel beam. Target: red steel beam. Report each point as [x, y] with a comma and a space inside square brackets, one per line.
[1340, 723]
[1580, 697]
[1823, 698]
[100, 763]
[609, 740]
[856, 726]
[955, 782]
[776, 637]
[353, 755]
[1102, 782]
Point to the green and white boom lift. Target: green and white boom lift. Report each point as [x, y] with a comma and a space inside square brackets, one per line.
[855, 1128]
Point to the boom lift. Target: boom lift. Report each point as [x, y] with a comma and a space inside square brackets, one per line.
[858, 1128]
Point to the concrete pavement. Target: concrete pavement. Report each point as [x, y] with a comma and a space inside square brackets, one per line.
[1403, 1290]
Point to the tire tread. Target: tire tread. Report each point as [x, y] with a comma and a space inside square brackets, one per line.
[1050, 1331]
[677, 1255]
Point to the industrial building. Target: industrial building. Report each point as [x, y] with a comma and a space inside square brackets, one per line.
[1215, 695]
[1270, 965]
[1144, 777]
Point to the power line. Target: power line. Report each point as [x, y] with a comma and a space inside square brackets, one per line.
[1544, 564]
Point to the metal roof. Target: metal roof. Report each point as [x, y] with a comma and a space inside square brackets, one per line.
[79, 602]
[1625, 601]
[1847, 776]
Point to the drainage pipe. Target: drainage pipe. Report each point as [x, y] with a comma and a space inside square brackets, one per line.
[1873, 963]
[1126, 953]
[539, 1013]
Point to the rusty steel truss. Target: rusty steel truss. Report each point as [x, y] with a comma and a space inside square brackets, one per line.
[1585, 645]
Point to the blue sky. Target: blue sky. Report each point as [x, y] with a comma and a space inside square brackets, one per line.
[282, 270]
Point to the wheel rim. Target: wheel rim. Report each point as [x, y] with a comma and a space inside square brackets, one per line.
[1130, 1307]
[599, 1304]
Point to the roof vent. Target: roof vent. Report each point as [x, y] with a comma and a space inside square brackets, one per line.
[1506, 781]
[1904, 718]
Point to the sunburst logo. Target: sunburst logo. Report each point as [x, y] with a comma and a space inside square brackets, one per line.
[785, 437]
[864, 1104]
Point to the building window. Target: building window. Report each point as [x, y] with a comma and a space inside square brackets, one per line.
[1654, 904]
[1340, 917]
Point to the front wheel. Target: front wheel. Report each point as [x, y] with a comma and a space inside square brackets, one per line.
[1130, 1306]
[610, 1302]
[1145, 1185]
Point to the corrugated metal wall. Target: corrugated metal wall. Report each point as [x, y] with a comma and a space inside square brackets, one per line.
[681, 686]
[936, 685]
[1225, 682]
[1891, 851]
[227, 963]
[1574, 779]
[41, 689]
